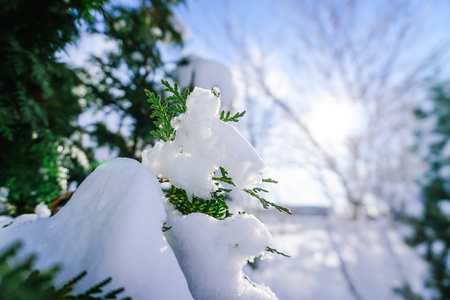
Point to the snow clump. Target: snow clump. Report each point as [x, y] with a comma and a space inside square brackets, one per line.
[213, 252]
[40, 212]
[202, 144]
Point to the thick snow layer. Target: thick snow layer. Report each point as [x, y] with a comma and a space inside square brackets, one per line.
[202, 144]
[111, 228]
[212, 253]
[376, 258]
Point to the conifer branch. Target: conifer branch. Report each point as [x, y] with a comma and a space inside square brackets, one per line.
[165, 227]
[176, 94]
[21, 281]
[216, 207]
[224, 178]
[114, 293]
[269, 180]
[96, 289]
[163, 117]
[226, 117]
[273, 250]
[253, 192]
[165, 110]
[248, 279]
[68, 287]
[265, 203]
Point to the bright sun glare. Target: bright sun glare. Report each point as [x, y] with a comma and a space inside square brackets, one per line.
[333, 122]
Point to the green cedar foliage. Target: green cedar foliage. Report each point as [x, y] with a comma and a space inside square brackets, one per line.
[138, 32]
[275, 251]
[254, 192]
[38, 106]
[228, 118]
[18, 281]
[164, 111]
[434, 225]
[216, 207]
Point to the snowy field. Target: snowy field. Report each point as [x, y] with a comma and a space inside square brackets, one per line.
[376, 259]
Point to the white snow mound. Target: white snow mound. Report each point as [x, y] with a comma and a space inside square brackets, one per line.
[111, 228]
[213, 252]
[202, 144]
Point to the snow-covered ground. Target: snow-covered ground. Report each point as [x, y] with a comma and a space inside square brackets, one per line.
[376, 259]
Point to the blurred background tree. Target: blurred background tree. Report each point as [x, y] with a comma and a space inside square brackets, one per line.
[115, 84]
[432, 228]
[41, 98]
[38, 106]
